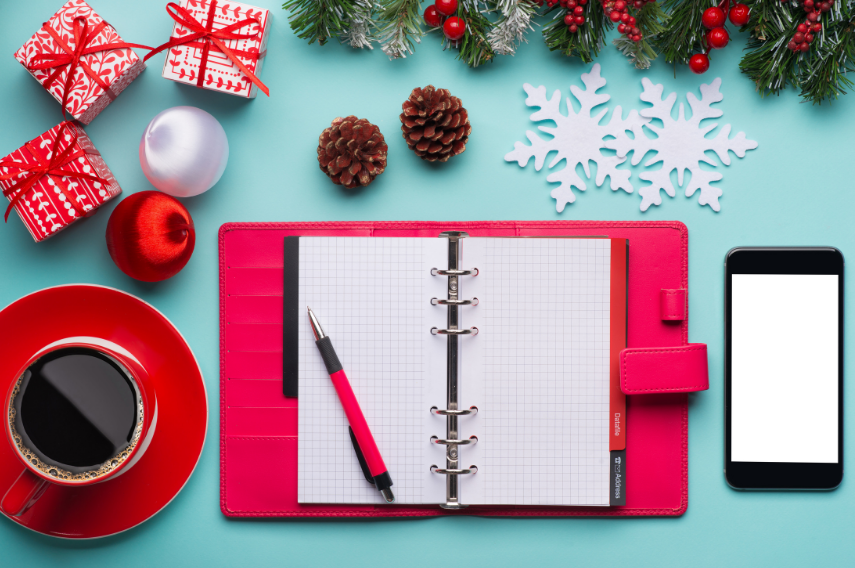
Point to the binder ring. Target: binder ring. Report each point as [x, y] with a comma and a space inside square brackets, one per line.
[444, 471]
[453, 272]
[440, 302]
[442, 412]
[470, 331]
[471, 440]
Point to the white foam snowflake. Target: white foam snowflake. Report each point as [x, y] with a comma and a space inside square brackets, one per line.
[681, 145]
[577, 138]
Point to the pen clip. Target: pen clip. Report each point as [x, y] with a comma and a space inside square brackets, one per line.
[362, 463]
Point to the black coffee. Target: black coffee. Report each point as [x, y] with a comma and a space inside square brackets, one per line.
[76, 409]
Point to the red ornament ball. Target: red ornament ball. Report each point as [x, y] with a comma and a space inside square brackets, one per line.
[739, 14]
[432, 17]
[718, 38]
[713, 18]
[150, 236]
[454, 28]
[446, 7]
[699, 63]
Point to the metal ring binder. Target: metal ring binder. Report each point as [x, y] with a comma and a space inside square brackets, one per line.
[452, 439]
[464, 442]
[442, 412]
[470, 331]
[454, 271]
[441, 302]
[452, 472]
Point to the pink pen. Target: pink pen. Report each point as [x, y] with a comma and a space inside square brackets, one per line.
[360, 434]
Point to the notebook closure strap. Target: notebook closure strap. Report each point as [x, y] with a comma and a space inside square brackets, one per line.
[672, 304]
[653, 370]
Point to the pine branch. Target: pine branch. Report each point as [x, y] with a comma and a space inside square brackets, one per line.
[401, 28]
[587, 42]
[652, 21]
[819, 73]
[358, 34]
[684, 34]
[475, 47]
[824, 77]
[509, 32]
[320, 20]
[769, 62]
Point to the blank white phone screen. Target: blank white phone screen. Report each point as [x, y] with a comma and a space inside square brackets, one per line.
[784, 382]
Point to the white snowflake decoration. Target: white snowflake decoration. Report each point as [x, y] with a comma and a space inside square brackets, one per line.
[577, 138]
[681, 145]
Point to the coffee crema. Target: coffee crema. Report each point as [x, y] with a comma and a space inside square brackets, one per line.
[58, 414]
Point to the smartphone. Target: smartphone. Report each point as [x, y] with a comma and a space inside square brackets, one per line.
[784, 368]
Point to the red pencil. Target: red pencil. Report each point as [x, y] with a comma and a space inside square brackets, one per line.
[360, 434]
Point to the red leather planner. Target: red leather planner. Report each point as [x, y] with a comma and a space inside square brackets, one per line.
[259, 425]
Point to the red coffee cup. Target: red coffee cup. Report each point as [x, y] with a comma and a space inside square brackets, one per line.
[35, 476]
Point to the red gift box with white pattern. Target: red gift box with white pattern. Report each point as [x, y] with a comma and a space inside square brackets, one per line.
[55, 201]
[114, 68]
[220, 73]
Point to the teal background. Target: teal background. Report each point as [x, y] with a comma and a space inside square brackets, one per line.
[795, 189]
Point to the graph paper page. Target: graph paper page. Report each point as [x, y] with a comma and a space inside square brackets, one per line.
[372, 297]
[538, 371]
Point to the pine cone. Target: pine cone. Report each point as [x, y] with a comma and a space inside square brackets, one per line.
[435, 124]
[352, 152]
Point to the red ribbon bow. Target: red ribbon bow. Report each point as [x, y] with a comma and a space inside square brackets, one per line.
[73, 58]
[204, 36]
[43, 167]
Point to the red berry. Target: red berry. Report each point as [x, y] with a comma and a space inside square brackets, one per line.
[739, 14]
[624, 18]
[571, 4]
[446, 7]
[699, 63]
[804, 47]
[718, 38]
[792, 46]
[621, 28]
[578, 10]
[808, 5]
[808, 38]
[454, 28]
[816, 28]
[582, 2]
[824, 7]
[568, 20]
[573, 29]
[580, 20]
[802, 28]
[798, 37]
[620, 5]
[812, 17]
[713, 18]
[432, 17]
[614, 16]
[631, 21]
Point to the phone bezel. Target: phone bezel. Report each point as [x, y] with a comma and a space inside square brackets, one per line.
[782, 475]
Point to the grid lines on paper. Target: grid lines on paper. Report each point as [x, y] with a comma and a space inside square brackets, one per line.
[367, 294]
[546, 363]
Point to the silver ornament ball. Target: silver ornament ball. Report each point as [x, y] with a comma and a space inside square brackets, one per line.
[184, 151]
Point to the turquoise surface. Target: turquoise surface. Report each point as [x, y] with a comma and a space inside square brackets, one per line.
[795, 189]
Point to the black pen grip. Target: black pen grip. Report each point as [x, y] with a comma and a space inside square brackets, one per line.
[328, 355]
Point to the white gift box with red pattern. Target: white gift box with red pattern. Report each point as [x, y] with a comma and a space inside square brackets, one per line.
[56, 201]
[220, 73]
[114, 68]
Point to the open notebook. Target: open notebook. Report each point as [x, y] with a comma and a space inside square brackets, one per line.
[538, 369]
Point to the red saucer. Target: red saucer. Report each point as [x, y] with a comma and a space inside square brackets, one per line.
[118, 504]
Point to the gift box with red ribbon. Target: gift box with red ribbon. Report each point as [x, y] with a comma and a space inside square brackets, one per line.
[217, 45]
[81, 60]
[56, 179]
